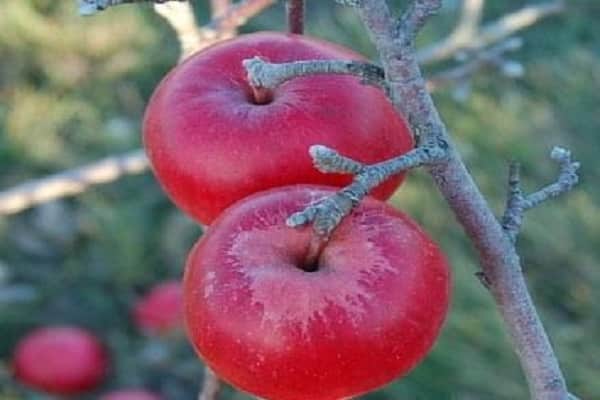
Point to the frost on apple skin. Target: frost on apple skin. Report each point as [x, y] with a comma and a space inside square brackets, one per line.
[261, 253]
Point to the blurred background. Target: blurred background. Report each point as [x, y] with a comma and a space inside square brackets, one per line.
[73, 90]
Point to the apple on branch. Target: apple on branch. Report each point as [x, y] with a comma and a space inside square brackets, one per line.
[279, 323]
[213, 139]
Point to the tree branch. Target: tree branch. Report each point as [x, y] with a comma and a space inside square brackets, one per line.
[468, 36]
[226, 18]
[491, 57]
[470, 18]
[236, 15]
[414, 18]
[327, 213]
[71, 182]
[180, 16]
[517, 203]
[500, 263]
[90, 7]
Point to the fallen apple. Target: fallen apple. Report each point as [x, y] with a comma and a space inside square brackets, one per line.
[61, 360]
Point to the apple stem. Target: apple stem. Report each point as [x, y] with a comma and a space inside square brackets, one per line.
[315, 248]
[261, 95]
[295, 15]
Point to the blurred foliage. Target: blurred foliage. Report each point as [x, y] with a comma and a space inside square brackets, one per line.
[73, 89]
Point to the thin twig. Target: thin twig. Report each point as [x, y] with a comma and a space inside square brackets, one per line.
[236, 15]
[180, 16]
[223, 25]
[415, 17]
[465, 37]
[326, 214]
[470, 19]
[295, 16]
[210, 386]
[218, 8]
[517, 203]
[90, 7]
[491, 57]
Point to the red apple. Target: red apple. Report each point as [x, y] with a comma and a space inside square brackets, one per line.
[160, 311]
[60, 360]
[211, 144]
[371, 310]
[132, 394]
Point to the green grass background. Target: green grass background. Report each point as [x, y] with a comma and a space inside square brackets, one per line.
[73, 90]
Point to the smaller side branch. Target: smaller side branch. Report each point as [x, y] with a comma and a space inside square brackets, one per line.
[226, 18]
[517, 203]
[470, 18]
[181, 17]
[415, 16]
[266, 75]
[90, 7]
[71, 182]
[210, 387]
[473, 39]
[327, 213]
[491, 57]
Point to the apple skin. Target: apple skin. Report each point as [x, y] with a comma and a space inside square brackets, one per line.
[132, 394]
[210, 145]
[61, 360]
[369, 314]
[160, 311]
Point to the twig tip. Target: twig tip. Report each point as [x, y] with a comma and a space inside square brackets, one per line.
[560, 153]
[88, 8]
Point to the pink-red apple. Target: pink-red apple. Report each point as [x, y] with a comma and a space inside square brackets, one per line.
[160, 311]
[61, 360]
[369, 312]
[211, 144]
[131, 394]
